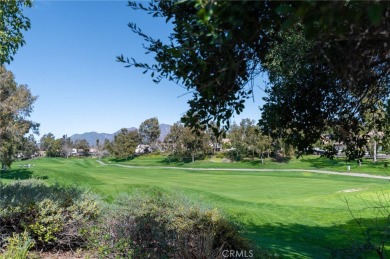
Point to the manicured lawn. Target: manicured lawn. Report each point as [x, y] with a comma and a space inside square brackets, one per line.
[298, 215]
[306, 162]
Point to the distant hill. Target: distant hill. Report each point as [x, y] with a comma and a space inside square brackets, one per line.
[91, 137]
[129, 129]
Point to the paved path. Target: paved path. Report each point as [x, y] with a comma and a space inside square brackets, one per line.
[253, 170]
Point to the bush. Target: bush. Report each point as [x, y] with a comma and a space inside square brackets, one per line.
[330, 152]
[221, 155]
[17, 246]
[160, 224]
[54, 216]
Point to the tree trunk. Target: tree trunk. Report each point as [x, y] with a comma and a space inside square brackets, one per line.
[380, 253]
[374, 158]
[193, 157]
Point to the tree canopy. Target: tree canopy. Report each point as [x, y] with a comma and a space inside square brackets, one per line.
[149, 131]
[16, 104]
[183, 142]
[218, 48]
[12, 23]
[124, 144]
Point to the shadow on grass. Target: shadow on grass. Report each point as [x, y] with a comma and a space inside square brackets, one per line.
[250, 161]
[337, 241]
[172, 160]
[19, 174]
[281, 159]
[121, 160]
[175, 161]
[322, 162]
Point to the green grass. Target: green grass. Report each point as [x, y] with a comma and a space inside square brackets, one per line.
[306, 162]
[299, 215]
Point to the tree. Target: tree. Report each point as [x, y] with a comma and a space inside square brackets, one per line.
[28, 147]
[185, 142]
[215, 135]
[67, 145]
[12, 23]
[194, 143]
[375, 126]
[217, 48]
[149, 131]
[124, 144]
[386, 129]
[107, 145]
[55, 149]
[172, 139]
[215, 68]
[61, 147]
[82, 145]
[307, 97]
[248, 140]
[46, 141]
[16, 106]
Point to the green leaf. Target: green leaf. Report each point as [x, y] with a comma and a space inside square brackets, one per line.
[375, 14]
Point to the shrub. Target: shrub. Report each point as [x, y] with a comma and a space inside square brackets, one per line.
[221, 155]
[330, 152]
[54, 216]
[161, 224]
[17, 246]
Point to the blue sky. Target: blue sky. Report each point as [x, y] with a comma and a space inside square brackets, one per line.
[69, 61]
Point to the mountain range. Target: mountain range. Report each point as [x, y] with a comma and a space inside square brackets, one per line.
[91, 137]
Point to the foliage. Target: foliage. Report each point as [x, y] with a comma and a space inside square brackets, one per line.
[149, 131]
[184, 142]
[161, 224]
[82, 144]
[16, 106]
[46, 141]
[214, 58]
[17, 246]
[330, 152]
[355, 147]
[259, 201]
[12, 23]
[28, 147]
[54, 216]
[124, 144]
[66, 146]
[306, 97]
[248, 140]
[217, 49]
[49, 144]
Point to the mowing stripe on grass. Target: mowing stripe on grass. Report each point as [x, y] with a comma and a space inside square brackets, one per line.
[253, 170]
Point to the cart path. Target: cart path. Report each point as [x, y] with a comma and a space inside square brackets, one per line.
[253, 170]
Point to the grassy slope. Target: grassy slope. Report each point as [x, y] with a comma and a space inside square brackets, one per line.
[297, 214]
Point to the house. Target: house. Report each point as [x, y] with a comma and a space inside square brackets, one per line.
[93, 151]
[142, 149]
